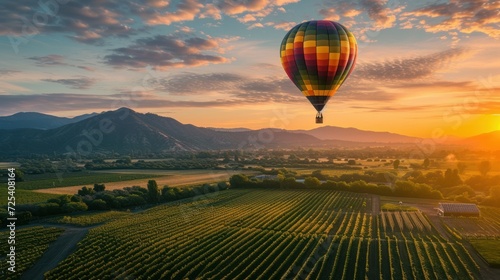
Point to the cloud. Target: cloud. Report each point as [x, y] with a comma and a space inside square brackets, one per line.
[408, 68]
[76, 83]
[93, 21]
[56, 60]
[233, 7]
[230, 84]
[165, 51]
[49, 60]
[284, 25]
[211, 11]
[58, 102]
[5, 72]
[379, 12]
[363, 17]
[247, 18]
[464, 16]
[186, 10]
[88, 22]
[256, 25]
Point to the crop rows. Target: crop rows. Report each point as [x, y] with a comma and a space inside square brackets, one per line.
[487, 226]
[30, 244]
[268, 234]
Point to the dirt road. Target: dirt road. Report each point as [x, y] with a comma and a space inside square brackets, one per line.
[57, 252]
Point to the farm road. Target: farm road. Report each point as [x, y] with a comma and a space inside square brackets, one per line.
[57, 251]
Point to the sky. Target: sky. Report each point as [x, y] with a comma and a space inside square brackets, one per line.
[424, 67]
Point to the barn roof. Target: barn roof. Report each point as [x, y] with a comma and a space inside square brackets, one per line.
[459, 207]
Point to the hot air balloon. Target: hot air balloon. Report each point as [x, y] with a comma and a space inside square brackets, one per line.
[318, 56]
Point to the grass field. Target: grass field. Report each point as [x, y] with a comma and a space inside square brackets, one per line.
[89, 219]
[172, 178]
[45, 181]
[489, 249]
[397, 207]
[26, 197]
[269, 234]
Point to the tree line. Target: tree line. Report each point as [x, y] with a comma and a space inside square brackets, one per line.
[98, 198]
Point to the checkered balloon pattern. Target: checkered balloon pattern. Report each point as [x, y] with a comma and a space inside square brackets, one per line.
[318, 56]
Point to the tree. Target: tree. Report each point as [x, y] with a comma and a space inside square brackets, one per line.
[426, 163]
[19, 175]
[451, 178]
[351, 162]
[153, 191]
[484, 167]
[318, 174]
[396, 163]
[495, 193]
[98, 204]
[461, 167]
[289, 183]
[99, 187]
[85, 191]
[312, 182]
[74, 207]
[238, 180]
[222, 186]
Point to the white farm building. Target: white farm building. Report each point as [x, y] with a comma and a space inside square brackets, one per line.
[458, 209]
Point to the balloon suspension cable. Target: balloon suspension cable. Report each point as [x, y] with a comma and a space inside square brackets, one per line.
[319, 117]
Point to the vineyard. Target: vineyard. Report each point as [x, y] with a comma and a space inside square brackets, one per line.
[268, 234]
[30, 245]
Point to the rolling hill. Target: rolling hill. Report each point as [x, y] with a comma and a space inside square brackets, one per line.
[490, 140]
[126, 131]
[357, 135]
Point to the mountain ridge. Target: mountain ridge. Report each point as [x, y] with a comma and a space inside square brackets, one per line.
[127, 131]
[38, 120]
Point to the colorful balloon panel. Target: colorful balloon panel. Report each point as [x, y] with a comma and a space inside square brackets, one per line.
[318, 56]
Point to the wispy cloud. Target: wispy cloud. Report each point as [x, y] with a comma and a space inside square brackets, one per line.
[232, 86]
[408, 68]
[363, 16]
[463, 16]
[49, 60]
[166, 51]
[8, 72]
[57, 61]
[76, 83]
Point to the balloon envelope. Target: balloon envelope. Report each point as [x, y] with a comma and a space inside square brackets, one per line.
[318, 56]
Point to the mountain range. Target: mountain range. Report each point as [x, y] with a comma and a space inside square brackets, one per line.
[38, 120]
[126, 131]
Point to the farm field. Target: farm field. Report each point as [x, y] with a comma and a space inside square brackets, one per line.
[172, 178]
[483, 233]
[486, 226]
[35, 240]
[269, 234]
[27, 191]
[488, 248]
[89, 219]
[50, 180]
[26, 197]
